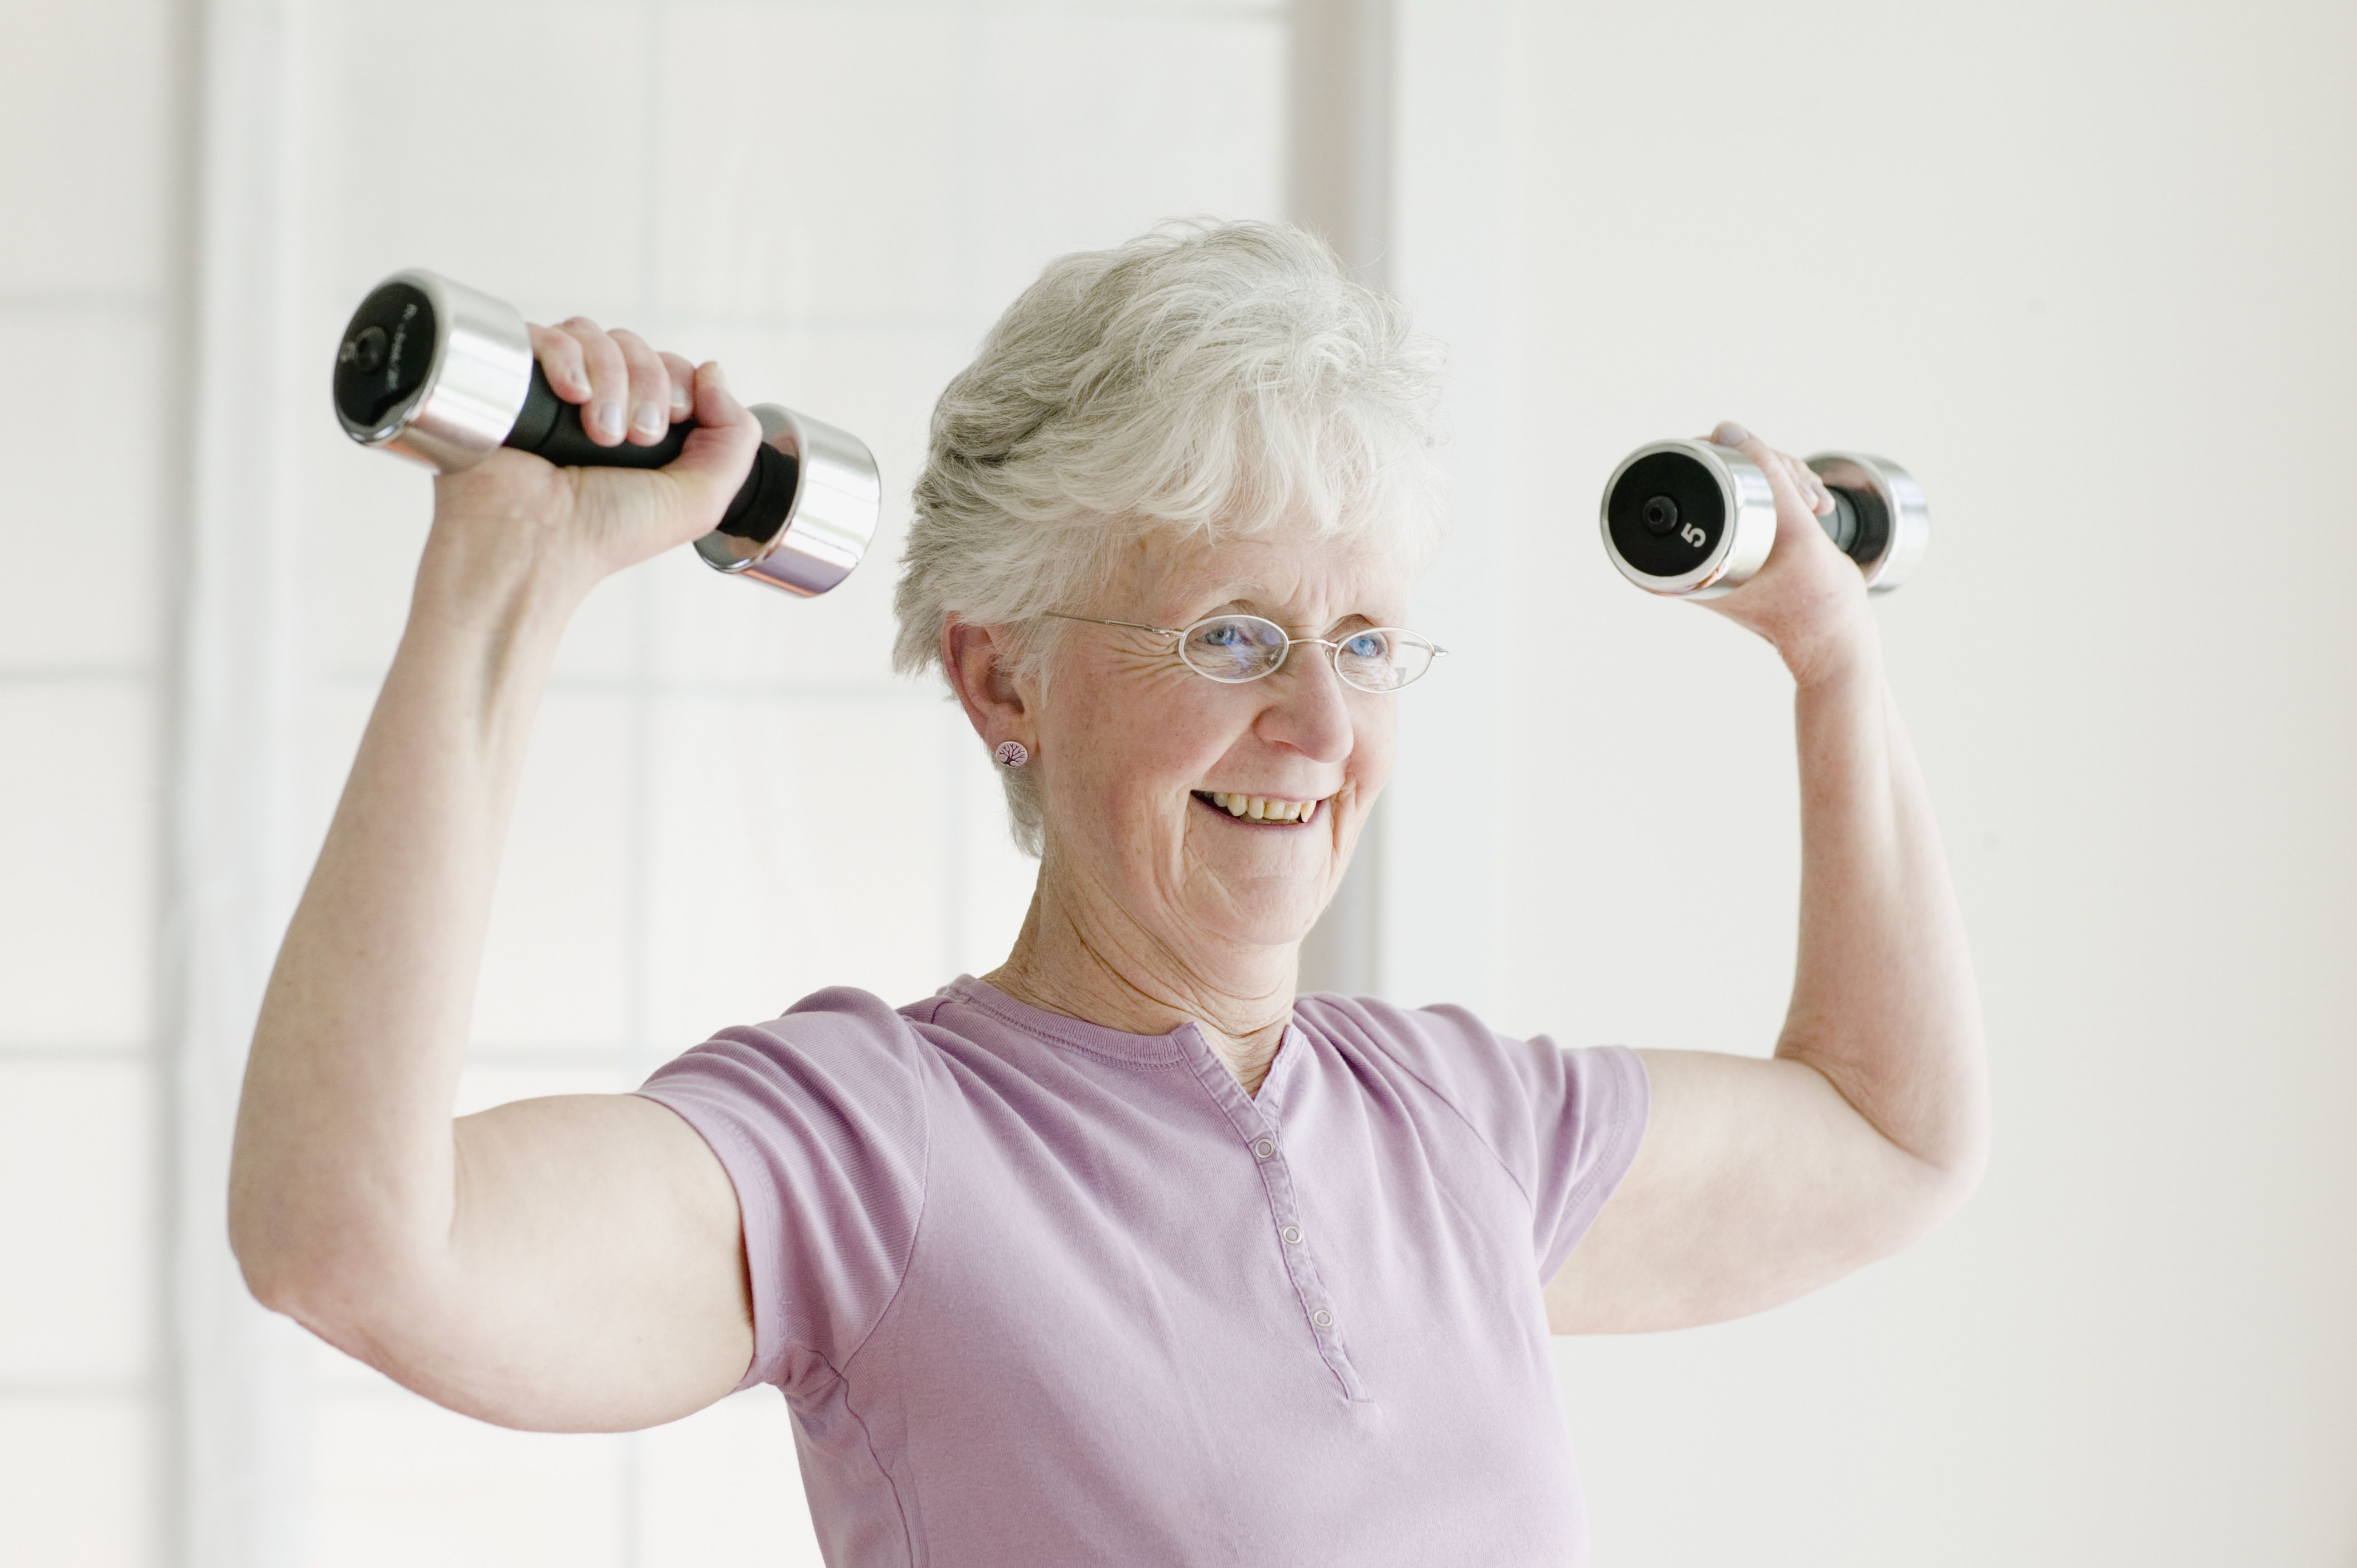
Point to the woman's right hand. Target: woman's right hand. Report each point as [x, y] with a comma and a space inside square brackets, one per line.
[514, 518]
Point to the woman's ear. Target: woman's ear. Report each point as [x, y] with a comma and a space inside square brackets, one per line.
[981, 671]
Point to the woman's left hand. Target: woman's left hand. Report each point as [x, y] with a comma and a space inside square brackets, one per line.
[1809, 599]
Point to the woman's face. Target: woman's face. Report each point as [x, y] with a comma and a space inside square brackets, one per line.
[1135, 747]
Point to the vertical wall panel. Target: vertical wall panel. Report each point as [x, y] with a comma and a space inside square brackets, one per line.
[796, 843]
[77, 1143]
[810, 157]
[507, 143]
[78, 859]
[1444, 832]
[556, 966]
[85, 106]
[88, 134]
[80, 548]
[402, 1482]
[77, 1472]
[1092, 122]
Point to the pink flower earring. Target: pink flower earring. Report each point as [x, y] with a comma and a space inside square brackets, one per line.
[1012, 754]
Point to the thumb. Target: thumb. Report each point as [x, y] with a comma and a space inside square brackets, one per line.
[718, 453]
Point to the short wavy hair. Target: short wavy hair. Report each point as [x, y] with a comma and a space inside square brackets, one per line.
[1207, 379]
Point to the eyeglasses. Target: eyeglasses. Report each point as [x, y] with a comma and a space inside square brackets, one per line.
[1234, 648]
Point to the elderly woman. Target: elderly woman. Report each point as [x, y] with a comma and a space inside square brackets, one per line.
[1126, 1253]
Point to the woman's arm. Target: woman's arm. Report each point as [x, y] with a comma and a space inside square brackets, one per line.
[573, 1263]
[1760, 1181]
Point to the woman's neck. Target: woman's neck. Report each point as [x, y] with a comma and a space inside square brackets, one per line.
[1110, 972]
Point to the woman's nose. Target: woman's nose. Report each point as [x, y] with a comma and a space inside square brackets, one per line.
[1311, 712]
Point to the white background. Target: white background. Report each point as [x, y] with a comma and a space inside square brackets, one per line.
[2084, 268]
[2087, 270]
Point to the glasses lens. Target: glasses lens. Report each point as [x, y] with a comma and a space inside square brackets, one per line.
[1234, 648]
[1382, 658]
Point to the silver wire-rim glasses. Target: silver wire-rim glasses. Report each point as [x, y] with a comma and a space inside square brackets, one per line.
[1234, 649]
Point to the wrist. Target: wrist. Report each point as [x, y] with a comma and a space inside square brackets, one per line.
[1834, 652]
[485, 621]
[510, 566]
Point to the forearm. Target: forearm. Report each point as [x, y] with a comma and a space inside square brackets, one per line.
[344, 1158]
[1884, 1002]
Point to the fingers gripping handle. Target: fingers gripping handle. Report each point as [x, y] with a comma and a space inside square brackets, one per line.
[445, 374]
[548, 427]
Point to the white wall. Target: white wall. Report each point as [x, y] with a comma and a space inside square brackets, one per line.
[2086, 269]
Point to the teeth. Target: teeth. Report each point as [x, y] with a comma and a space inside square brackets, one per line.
[1261, 809]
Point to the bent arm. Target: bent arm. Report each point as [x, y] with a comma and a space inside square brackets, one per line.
[571, 1263]
[1760, 1181]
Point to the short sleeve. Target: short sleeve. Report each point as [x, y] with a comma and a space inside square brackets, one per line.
[819, 1118]
[1566, 1124]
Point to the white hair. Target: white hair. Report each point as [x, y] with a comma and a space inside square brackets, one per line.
[1207, 379]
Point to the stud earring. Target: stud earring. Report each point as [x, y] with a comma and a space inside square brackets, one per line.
[1012, 754]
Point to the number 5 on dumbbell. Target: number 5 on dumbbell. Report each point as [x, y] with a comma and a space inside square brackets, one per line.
[1697, 520]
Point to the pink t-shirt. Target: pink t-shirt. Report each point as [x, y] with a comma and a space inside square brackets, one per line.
[1040, 1292]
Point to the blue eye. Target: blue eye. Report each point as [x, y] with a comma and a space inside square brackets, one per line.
[1368, 645]
[1229, 635]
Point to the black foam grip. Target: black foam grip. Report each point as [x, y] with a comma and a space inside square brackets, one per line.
[550, 427]
[1841, 523]
[1860, 523]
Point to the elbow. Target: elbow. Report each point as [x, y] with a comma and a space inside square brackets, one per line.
[1934, 1192]
[277, 1277]
[1904, 1193]
[333, 1276]
[258, 1239]
[1957, 1162]
[1926, 1146]
[281, 1270]
[349, 1301]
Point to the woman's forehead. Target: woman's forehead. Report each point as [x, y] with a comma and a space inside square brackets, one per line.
[1302, 577]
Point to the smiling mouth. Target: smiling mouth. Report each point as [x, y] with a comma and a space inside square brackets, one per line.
[1259, 810]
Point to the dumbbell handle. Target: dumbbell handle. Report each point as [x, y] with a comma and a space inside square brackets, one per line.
[550, 427]
[1841, 523]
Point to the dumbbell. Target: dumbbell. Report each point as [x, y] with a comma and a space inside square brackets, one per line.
[1696, 519]
[445, 374]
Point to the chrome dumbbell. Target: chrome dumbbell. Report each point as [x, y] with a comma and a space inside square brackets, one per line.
[1696, 519]
[445, 374]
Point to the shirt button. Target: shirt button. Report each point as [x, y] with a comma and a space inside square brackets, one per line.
[1322, 1318]
[1293, 1235]
[1265, 1149]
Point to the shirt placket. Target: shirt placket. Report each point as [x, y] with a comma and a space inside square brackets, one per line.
[1262, 1138]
